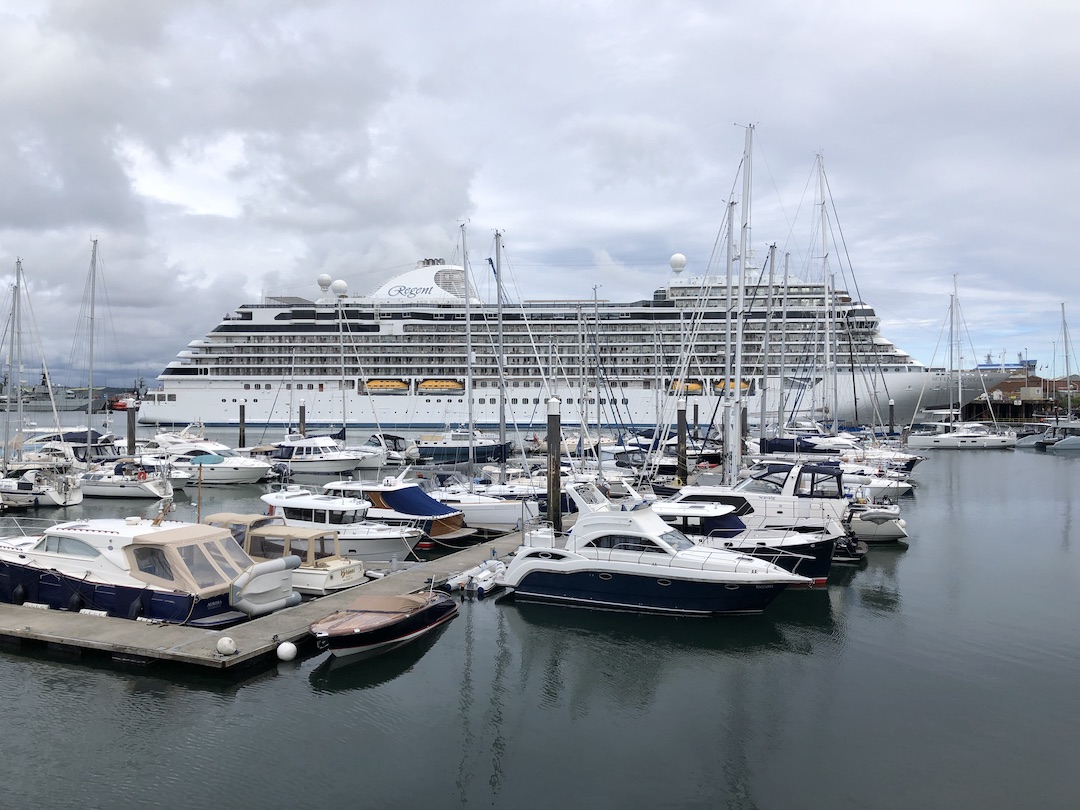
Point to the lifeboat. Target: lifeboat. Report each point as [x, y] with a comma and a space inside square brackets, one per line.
[720, 387]
[686, 389]
[387, 386]
[441, 387]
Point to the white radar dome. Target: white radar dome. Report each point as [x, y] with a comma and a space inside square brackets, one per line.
[677, 262]
[324, 282]
[339, 288]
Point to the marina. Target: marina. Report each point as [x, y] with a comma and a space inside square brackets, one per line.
[256, 641]
[941, 672]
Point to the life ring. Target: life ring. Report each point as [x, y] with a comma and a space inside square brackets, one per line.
[142, 475]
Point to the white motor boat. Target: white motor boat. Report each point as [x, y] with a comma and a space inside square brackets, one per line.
[218, 466]
[481, 509]
[804, 497]
[397, 501]
[308, 455]
[628, 558]
[360, 538]
[322, 570]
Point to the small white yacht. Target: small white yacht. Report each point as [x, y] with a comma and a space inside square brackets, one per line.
[360, 538]
[398, 501]
[322, 570]
[308, 455]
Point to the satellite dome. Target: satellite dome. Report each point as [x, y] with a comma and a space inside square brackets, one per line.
[339, 287]
[677, 262]
[324, 282]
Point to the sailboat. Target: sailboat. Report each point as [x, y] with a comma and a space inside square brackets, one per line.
[120, 479]
[1065, 441]
[36, 486]
[955, 434]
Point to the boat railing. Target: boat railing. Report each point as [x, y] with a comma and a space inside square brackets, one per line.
[11, 526]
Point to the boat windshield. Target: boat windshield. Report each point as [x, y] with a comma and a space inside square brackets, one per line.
[761, 485]
[198, 563]
[677, 540]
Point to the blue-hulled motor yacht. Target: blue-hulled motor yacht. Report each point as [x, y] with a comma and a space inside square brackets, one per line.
[168, 571]
[627, 558]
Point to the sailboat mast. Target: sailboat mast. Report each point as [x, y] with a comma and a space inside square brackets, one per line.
[954, 322]
[1068, 380]
[830, 362]
[15, 364]
[730, 262]
[736, 416]
[468, 353]
[763, 417]
[341, 352]
[90, 355]
[502, 373]
[782, 404]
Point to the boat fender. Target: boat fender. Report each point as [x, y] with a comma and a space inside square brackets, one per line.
[76, 603]
[18, 596]
[136, 609]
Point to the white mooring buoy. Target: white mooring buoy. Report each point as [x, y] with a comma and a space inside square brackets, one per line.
[286, 651]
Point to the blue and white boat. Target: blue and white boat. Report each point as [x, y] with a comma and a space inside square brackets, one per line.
[628, 558]
[168, 571]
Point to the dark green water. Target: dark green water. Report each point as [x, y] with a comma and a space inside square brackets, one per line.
[941, 675]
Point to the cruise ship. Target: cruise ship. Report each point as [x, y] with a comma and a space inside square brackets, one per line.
[414, 353]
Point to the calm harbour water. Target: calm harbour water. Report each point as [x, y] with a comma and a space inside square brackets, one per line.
[942, 674]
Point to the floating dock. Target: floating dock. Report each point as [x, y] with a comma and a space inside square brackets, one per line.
[128, 641]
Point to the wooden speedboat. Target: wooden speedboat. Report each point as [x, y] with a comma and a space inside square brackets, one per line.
[377, 623]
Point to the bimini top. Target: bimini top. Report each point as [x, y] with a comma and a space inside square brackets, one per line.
[430, 281]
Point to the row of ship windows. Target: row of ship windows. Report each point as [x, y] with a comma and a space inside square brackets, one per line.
[485, 401]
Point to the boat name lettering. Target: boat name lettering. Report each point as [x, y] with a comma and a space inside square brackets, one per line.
[409, 292]
[347, 572]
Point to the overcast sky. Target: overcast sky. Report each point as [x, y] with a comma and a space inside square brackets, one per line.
[222, 150]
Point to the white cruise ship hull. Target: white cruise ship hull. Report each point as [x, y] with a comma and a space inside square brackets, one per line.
[415, 352]
[638, 407]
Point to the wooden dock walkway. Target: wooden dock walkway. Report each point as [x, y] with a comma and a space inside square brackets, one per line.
[257, 640]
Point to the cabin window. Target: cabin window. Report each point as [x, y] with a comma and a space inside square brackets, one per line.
[153, 562]
[219, 557]
[206, 576]
[624, 542]
[70, 546]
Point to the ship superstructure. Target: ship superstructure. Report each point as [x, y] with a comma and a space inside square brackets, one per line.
[398, 358]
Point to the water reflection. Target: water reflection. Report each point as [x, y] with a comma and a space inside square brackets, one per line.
[335, 674]
[561, 625]
[878, 585]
